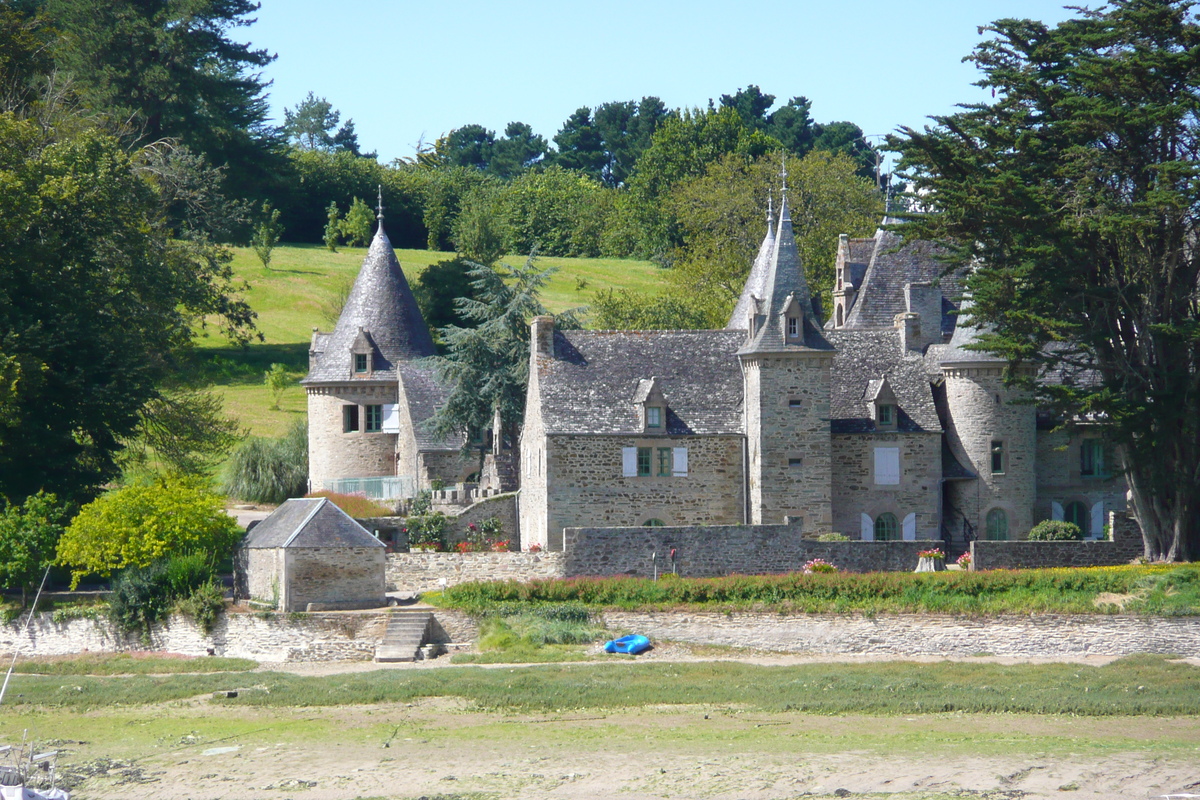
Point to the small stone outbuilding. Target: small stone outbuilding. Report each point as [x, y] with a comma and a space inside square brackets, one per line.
[309, 551]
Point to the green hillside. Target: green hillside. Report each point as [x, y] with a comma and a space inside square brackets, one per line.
[294, 296]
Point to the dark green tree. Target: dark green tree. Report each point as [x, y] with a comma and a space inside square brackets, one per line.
[751, 105]
[313, 125]
[468, 146]
[581, 145]
[518, 150]
[792, 125]
[171, 69]
[106, 262]
[627, 128]
[1070, 200]
[29, 534]
[487, 365]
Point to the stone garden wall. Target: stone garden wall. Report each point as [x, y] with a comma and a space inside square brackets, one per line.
[424, 572]
[712, 550]
[1125, 546]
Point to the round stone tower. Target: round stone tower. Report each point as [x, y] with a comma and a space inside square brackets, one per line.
[991, 429]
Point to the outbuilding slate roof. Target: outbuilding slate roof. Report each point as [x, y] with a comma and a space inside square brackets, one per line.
[309, 522]
[588, 388]
[863, 359]
[382, 304]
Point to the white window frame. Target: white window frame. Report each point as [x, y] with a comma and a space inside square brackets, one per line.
[680, 458]
[629, 462]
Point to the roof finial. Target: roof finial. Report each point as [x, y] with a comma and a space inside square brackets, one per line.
[783, 174]
[770, 209]
[379, 207]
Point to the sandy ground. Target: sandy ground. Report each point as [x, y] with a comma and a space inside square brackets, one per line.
[438, 747]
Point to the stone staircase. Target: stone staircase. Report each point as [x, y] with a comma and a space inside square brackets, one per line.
[406, 632]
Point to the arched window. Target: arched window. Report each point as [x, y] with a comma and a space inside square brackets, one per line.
[997, 525]
[887, 529]
[1077, 512]
[653, 523]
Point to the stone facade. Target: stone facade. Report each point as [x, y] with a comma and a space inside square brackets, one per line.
[985, 413]
[585, 485]
[712, 550]
[334, 453]
[918, 493]
[787, 432]
[1060, 482]
[347, 576]
[425, 572]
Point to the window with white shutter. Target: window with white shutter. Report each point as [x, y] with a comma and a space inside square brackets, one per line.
[629, 462]
[867, 528]
[887, 466]
[681, 465]
[391, 417]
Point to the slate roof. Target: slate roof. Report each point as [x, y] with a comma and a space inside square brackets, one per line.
[382, 304]
[964, 334]
[425, 395]
[588, 388]
[309, 522]
[893, 263]
[785, 278]
[865, 357]
[756, 282]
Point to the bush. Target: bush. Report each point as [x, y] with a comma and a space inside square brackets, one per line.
[358, 506]
[270, 470]
[139, 525]
[1053, 530]
[428, 530]
[143, 596]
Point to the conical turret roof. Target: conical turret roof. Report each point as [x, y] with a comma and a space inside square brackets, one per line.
[785, 282]
[382, 306]
[956, 352]
[756, 281]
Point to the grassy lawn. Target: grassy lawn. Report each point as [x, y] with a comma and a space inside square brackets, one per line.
[294, 295]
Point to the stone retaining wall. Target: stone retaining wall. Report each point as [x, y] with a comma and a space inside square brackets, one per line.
[1124, 546]
[1045, 636]
[712, 550]
[271, 637]
[424, 572]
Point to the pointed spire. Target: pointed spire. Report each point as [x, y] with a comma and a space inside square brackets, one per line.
[783, 176]
[379, 205]
[752, 291]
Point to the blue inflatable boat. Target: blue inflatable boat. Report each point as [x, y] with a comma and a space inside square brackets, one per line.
[632, 644]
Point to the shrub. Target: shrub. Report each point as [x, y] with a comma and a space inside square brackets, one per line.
[203, 605]
[270, 470]
[1054, 530]
[428, 530]
[357, 505]
[142, 596]
[139, 525]
[833, 537]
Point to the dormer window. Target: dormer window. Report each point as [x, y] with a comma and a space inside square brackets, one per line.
[887, 414]
[652, 406]
[654, 416]
[793, 327]
[360, 354]
[360, 363]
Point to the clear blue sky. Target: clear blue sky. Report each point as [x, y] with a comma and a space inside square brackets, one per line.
[405, 69]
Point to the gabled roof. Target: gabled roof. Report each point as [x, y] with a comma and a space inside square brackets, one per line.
[756, 281]
[590, 384]
[425, 395]
[785, 279]
[381, 304]
[863, 360]
[893, 263]
[309, 522]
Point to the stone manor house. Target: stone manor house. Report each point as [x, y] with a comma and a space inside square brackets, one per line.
[879, 423]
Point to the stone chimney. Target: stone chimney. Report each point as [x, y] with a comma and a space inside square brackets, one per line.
[542, 336]
[923, 317]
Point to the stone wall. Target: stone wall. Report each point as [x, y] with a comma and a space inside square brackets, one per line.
[258, 574]
[1125, 545]
[1030, 636]
[502, 506]
[423, 572]
[334, 454]
[347, 576]
[919, 491]
[712, 550]
[586, 487]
